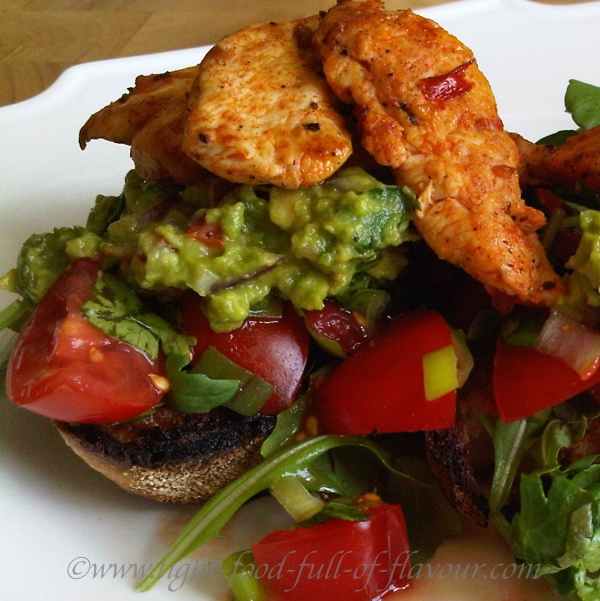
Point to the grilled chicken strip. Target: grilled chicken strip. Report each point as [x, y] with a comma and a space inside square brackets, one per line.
[263, 113]
[426, 110]
[577, 160]
[151, 119]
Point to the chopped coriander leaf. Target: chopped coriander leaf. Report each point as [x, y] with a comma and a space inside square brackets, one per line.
[116, 310]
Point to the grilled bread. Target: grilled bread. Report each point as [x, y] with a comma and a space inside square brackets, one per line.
[171, 456]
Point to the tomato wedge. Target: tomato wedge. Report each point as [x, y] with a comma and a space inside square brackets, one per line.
[64, 368]
[527, 381]
[337, 560]
[380, 388]
[274, 349]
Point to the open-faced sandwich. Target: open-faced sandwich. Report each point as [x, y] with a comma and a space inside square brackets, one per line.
[333, 275]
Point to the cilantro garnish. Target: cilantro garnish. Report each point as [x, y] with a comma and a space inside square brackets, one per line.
[116, 310]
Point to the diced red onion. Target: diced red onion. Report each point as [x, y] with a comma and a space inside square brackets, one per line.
[572, 341]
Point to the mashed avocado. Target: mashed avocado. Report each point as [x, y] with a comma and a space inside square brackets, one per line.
[584, 282]
[238, 248]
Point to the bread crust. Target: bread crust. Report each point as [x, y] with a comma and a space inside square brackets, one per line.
[170, 456]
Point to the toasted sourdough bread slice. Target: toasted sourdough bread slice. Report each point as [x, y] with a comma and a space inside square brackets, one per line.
[170, 456]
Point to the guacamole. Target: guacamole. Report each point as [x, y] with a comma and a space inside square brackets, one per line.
[584, 282]
[236, 249]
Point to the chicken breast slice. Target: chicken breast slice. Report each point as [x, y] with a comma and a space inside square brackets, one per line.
[263, 112]
[426, 110]
[577, 160]
[151, 119]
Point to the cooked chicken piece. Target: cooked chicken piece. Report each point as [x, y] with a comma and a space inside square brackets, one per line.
[577, 160]
[532, 170]
[263, 112]
[426, 110]
[151, 119]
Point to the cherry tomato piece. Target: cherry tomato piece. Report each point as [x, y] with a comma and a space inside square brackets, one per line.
[64, 368]
[380, 388]
[527, 381]
[335, 329]
[337, 560]
[274, 349]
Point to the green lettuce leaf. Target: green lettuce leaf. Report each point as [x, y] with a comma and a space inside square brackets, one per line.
[558, 527]
[288, 423]
[582, 100]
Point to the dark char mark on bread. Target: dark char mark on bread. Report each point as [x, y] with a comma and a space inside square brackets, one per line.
[171, 456]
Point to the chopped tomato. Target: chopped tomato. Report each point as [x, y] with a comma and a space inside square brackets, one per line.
[209, 234]
[274, 349]
[527, 381]
[335, 329]
[64, 368]
[337, 560]
[381, 388]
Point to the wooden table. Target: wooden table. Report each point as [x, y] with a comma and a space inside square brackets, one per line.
[41, 38]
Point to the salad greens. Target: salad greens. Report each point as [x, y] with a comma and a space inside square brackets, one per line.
[582, 102]
[216, 512]
[557, 524]
[511, 443]
[569, 550]
[196, 392]
[307, 461]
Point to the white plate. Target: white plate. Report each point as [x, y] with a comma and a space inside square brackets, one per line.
[68, 534]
